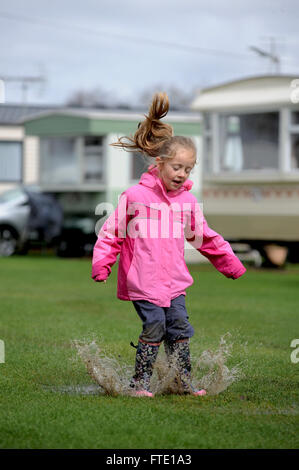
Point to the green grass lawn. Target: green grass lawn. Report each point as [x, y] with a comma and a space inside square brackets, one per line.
[46, 303]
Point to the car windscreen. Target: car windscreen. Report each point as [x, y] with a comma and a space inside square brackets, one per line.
[10, 195]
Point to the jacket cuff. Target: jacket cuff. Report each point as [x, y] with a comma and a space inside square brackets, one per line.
[100, 273]
[100, 278]
[238, 273]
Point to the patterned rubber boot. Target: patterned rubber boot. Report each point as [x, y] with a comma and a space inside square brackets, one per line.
[178, 354]
[146, 356]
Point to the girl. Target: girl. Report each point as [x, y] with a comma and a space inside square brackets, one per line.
[148, 229]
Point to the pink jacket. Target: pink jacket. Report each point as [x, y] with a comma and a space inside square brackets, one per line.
[148, 229]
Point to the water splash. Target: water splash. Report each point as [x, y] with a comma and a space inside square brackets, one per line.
[209, 371]
[106, 371]
[218, 376]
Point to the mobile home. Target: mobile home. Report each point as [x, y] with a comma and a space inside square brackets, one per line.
[251, 162]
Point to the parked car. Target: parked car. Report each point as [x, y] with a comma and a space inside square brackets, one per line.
[77, 236]
[28, 217]
[31, 218]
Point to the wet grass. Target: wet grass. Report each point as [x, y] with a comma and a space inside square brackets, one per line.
[47, 302]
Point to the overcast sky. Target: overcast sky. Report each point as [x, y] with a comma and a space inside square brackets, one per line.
[126, 46]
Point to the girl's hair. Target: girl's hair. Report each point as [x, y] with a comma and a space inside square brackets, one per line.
[154, 137]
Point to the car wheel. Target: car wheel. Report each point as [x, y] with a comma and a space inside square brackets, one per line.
[8, 241]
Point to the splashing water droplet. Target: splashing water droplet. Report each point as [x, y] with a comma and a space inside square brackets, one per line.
[218, 376]
[106, 371]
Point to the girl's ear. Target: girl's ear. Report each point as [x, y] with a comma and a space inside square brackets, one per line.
[158, 161]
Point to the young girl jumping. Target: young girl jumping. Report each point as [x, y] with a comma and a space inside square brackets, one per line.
[148, 229]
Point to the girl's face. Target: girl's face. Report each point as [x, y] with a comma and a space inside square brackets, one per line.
[174, 171]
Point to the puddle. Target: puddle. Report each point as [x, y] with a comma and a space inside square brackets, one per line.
[210, 371]
[76, 389]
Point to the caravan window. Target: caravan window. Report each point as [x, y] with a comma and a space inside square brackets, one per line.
[295, 152]
[294, 135]
[295, 118]
[59, 160]
[11, 161]
[207, 143]
[93, 158]
[248, 141]
[72, 160]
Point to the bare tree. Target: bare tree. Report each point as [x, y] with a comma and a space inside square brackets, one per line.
[179, 99]
[95, 98]
[99, 98]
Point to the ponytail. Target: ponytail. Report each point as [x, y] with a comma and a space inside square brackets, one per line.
[151, 133]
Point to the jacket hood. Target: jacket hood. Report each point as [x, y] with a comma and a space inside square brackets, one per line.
[151, 178]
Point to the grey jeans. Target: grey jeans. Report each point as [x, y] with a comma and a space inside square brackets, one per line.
[164, 323]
